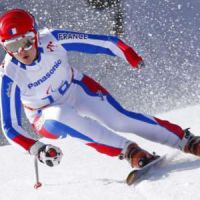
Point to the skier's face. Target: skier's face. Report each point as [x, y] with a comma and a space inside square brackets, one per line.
[23, 47]
[27, 56]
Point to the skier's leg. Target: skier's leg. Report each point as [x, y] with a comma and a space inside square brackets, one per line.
[94, 101]
[65, 121]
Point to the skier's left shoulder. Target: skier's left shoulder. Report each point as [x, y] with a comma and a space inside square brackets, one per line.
[44, 34]
[47, 40]
[51, 32]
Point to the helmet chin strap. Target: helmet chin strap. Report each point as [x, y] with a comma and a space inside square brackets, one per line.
[36, 39]
[36, 45]
[36, 56]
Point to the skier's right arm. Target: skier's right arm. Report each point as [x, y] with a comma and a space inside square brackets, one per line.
[12, 129]
[11, 115]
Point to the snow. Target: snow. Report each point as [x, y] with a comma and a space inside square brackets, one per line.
[85, 174]
[166, 34]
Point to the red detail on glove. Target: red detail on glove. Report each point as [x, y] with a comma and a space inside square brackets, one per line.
[171, 127]
[111, 151]
[131, 56]
[52, 152]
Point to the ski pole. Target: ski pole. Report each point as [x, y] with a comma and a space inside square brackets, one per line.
[38, 183]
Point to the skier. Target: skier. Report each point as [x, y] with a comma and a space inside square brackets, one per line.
[59, 100]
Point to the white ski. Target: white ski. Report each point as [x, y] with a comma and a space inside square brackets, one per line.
[138, 175]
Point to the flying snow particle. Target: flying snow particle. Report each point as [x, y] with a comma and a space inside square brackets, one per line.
[179, 6]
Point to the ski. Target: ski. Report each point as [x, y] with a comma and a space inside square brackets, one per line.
[137, 175]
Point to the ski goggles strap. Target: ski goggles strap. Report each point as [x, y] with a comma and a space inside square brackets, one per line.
[24, 42]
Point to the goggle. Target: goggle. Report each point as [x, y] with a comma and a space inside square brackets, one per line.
[24, 42]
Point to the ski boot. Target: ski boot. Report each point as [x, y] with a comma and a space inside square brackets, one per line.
[136, 156]
[190, 143]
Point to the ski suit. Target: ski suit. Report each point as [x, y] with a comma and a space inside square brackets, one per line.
[59, 100]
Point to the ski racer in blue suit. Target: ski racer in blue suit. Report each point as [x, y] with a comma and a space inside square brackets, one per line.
[59, 100]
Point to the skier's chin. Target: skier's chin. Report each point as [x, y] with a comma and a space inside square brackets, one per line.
[27, 57]
[27, 60]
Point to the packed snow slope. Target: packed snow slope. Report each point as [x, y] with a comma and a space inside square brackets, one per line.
[85, 174]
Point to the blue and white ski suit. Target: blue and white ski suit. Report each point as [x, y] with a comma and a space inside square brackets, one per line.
[59, 100]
